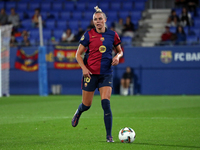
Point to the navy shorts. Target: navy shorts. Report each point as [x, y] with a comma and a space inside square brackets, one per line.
[97, 81]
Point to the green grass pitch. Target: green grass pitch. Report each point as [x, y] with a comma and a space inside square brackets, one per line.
[44, 123]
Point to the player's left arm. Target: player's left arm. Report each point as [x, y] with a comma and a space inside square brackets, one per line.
[115, 60]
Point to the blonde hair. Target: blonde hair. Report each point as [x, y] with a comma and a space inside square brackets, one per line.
[98, 10]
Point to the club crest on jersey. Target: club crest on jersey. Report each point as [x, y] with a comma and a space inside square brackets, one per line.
[102, 48]
[102, 39]
[85, 84]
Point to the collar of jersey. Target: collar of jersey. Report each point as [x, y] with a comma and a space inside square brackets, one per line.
[100, 33]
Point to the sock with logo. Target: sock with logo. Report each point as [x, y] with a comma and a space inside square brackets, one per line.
[107, 115]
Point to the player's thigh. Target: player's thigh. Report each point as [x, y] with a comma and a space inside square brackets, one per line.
[105, 92]
[87, 97]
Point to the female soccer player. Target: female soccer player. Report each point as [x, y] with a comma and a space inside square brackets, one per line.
[97, 67]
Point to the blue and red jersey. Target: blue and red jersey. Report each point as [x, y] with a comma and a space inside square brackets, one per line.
[98, 57]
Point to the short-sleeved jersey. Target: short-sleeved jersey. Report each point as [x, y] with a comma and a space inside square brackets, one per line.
[98, 57]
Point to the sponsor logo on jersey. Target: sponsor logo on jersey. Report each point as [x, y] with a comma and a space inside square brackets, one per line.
[102, 48]
[166, 56]
[87, 79]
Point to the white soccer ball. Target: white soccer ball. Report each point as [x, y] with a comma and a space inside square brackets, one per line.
[127, 135]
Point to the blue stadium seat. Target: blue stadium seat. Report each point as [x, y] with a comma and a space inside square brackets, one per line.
[9, 5]
[172, 29]
[58, 33]
[197, 22]
[84, 24]
[44, 15]
[73, 25]
[29, 14]
[34, 5]
[88, 15]
[21, 6]
[104, 6]
[191, 40]
[54, 14]
[26, 24]
[123, 14]
[136, 15]
[65, 15]
[57, 6]
[50, 24]
[139, 5]
[69, 6]
[80, 6]
[126, 41]
[34, 33]
[127, 6]
[46, 6]
[194, 31]
[112, 15]
[77, 15]
[62, 24]
[21, 15]
[2, 5]
[91, 5]
[46, 33]
[115, 6]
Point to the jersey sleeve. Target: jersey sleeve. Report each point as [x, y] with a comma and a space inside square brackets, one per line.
[85, 39]
[117, 40]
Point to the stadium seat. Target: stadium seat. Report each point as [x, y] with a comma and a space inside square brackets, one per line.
[172, 29]
[58, 33]
[50, 24]
[57, 6]
[34, 5]
[62, 24]
[77, 15]
[69, 6]
[112, 15]
[80, 6]
[45, 6]
[194, 31]
[26, 24]
[44, 15]
[115, 6]
[126, 41]
[34, 33]
[21, 15]
[21, 6]
[2, 5]
[84, 24]
[46, 33]
[139, 5]
[197, 22]
[192, 40]
[104, 6]
[136, 15]
[88, 15]
[91, 5]
[9, 5]
[127, 6]
[73, 25]
[123, 14]
[54, 14]
[65, 15]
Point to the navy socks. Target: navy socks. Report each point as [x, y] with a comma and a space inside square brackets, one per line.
[107, 115]
[82, 108]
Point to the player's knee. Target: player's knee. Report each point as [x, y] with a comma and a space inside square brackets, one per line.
[105, 104]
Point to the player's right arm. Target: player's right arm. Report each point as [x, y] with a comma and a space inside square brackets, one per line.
[79, 52]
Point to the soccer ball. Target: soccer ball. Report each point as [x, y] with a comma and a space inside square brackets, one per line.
[127, 135]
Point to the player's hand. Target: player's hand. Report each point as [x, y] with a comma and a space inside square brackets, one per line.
[115, 61]
[86, 73]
